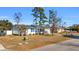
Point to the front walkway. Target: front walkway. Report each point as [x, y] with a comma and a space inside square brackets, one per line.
[69, 45]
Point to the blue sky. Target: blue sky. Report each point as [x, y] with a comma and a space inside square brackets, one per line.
[70, 15]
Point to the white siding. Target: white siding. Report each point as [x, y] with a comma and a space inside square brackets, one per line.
[16, 32]
[48, 31]
[9, 32]
[29, 32]
[60, 30]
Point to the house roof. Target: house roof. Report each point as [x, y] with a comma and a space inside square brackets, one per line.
[33, 26]
[37, 26]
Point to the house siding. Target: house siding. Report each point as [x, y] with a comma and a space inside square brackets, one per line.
[48, 31]
[29, 31]
[9, 32]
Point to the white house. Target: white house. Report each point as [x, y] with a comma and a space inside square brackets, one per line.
[32, 29]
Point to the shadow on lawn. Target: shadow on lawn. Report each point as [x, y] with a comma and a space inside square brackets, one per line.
[72, 36]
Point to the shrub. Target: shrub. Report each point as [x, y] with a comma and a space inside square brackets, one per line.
[24, 39]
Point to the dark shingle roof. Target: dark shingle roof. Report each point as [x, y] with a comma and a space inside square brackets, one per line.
[33, 26]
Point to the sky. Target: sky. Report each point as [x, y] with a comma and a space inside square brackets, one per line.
[69, 15]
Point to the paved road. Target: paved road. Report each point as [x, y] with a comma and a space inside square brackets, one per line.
[69, 45]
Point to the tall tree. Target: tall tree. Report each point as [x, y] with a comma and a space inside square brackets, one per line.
[40, 17]
[35, 15]
[5, 24]
[54, 21]
[17, 19]
[22, 29]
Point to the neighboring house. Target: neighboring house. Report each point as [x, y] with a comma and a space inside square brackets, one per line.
[60, 30]
[5, 32]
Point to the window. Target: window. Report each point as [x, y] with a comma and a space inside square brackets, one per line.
[32, 30]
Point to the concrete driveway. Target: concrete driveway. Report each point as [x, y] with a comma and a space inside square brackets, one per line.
[69, 45]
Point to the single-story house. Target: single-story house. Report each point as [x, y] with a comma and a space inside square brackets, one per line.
[32, 29]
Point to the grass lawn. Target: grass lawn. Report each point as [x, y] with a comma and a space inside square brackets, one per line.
[12, 42]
